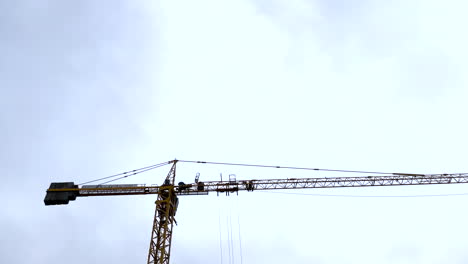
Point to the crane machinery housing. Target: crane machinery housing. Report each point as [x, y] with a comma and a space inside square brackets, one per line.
[167, 194]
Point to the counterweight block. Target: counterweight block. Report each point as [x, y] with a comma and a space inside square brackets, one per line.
[60, 197]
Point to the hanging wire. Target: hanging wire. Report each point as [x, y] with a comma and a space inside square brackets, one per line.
[240, 237]
[220, 237]
[128, 173]
[232, 239]
[369, 196]
[229, 244]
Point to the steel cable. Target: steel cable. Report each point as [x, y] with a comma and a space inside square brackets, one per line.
[128, 173]
[282, 167]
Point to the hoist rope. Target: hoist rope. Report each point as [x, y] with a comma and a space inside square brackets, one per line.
[231, 236]
[239, 229]
[220, 236]
[229, 239]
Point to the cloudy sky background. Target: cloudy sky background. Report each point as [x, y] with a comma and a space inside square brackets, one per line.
[92, 88]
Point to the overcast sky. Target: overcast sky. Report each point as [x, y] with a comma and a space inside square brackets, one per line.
[92, 88]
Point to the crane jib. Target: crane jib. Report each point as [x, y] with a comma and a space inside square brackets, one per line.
[63, 192]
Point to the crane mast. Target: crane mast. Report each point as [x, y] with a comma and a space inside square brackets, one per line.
[167, 195]
[166, 207]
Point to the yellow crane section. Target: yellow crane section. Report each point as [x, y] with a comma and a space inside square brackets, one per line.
[167, 194]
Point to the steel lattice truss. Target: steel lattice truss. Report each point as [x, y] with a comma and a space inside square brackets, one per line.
[166, 207]
[250, 185]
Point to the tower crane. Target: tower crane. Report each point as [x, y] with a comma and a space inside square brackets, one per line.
[167, 194]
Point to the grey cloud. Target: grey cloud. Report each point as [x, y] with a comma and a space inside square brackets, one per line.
[76, 78]
[70, 65]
